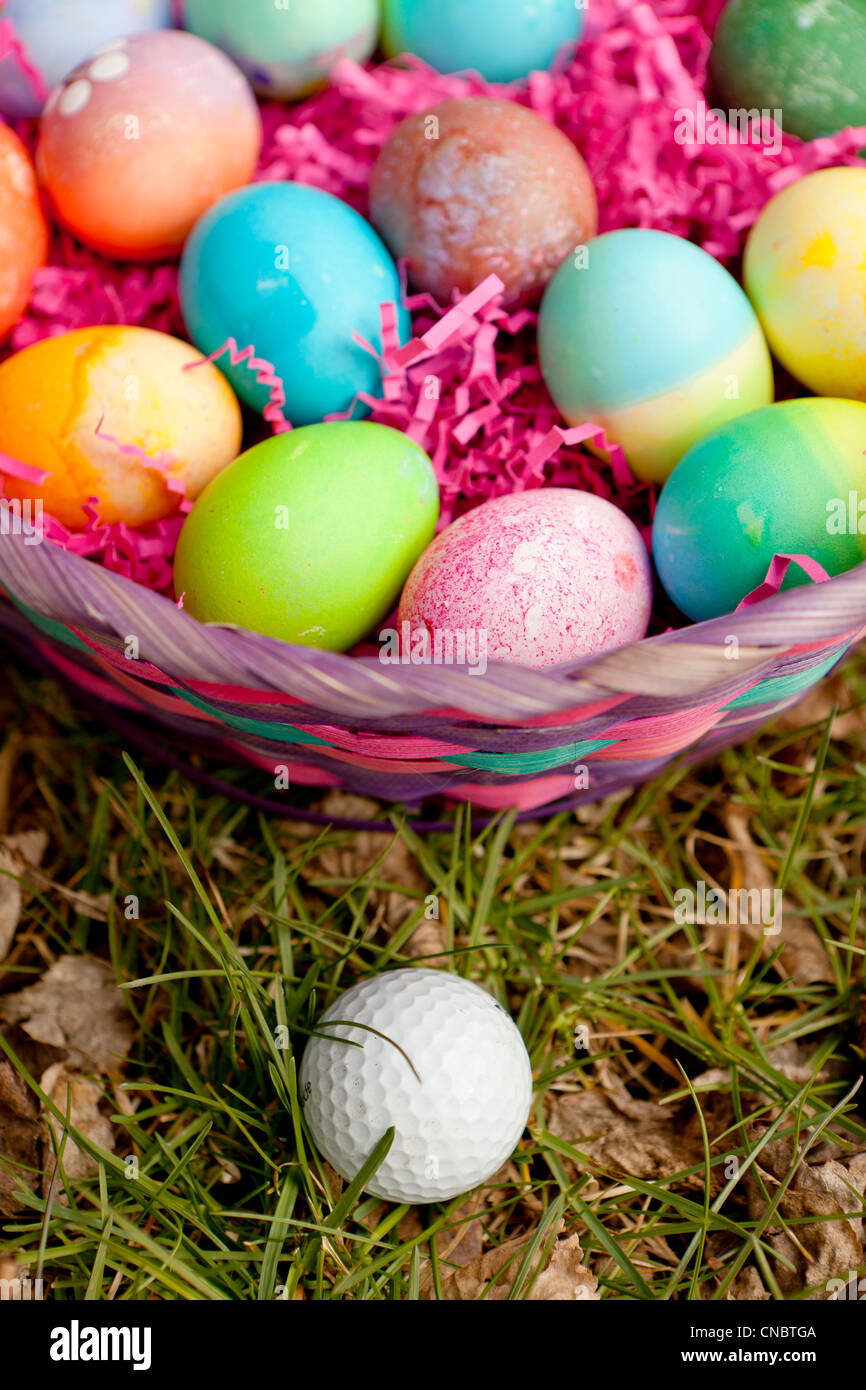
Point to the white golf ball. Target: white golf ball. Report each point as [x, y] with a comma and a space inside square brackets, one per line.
[458, 1110]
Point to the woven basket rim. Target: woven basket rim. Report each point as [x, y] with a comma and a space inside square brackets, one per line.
[108, 607]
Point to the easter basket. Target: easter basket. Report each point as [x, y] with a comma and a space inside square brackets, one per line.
[96, 608]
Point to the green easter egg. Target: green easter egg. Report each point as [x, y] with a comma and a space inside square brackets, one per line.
[789, 478]
[311, 535]
[804, 58]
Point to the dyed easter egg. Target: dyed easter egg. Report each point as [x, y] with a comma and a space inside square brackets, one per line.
[777, 480]
[804, 58]
[805, 272]
[533, 578]
[142, 138]
[646, 335]
[294, 272]
[111, 413]
[57, 34]
[287, 50]
[478, 187]
[309, 536]
[504, 40]
[23, 233]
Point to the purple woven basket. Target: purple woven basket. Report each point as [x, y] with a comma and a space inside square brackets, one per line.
[511, 737]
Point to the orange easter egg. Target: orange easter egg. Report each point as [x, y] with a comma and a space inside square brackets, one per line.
[110, 413]
[142, 138]
[23, 233]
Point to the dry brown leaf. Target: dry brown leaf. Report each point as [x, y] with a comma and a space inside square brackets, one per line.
[80, 1100]
[564, 1278]
[76, 1006]
[637, 1137]
[20, 1126]
[803, 956]
[20, 1133]
[16, 853]
[826, 1201]
[747, 1287]
[361, 851]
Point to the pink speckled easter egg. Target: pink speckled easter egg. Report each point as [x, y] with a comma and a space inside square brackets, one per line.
[540, 577]
[142, 138]
[478, 187]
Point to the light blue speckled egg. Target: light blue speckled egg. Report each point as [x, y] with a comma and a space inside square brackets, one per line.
[293, 271]
[58, 34]
[504, 40]
[287, 49]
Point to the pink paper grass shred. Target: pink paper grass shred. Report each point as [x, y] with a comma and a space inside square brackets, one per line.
[467, 387]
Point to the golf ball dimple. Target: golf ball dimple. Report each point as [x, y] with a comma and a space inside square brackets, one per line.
[446, 1066]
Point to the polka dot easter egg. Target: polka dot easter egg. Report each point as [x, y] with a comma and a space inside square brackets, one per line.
[296, 273]
[57, 37]
[111, 413]
[142, 138]
[23, 233]
[534, 579]
[287, 50]
[309, 536]
[781, 480]
[805, 272]
[805, 59]
[478, 187]
[646, 335]
[504, 40]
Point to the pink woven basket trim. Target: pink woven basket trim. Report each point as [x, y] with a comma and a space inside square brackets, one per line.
[88, 680]
[525, 794]
[669, 736]
[390, 765]
[234, 694]
[683, 721]
[298, 771]
[403, 747]
[841, 640]
[126, 668]
[156, 700]
[572, 714]
[565, 717]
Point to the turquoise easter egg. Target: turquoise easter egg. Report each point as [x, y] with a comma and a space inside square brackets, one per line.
[646, 335]
[311, 535]
[504, 40]
[287, 49]
[296, 273]
[789, 479]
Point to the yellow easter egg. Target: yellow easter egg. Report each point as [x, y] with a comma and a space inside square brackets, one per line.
[133, 418]
[805, 273]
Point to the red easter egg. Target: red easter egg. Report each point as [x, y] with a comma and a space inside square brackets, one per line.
[142, 138]
[23, 233]
[478, 186]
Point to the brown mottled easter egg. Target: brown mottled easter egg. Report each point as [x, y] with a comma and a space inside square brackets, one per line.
[476, 187]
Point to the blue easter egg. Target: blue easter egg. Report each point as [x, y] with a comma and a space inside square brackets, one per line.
[648, 336]
[57, 37]
[295, 272]
[504, 40]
